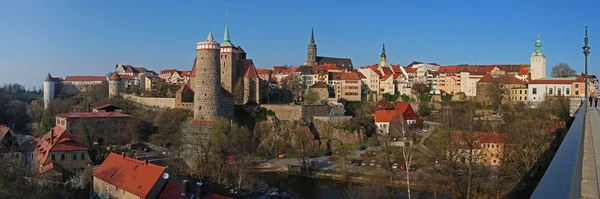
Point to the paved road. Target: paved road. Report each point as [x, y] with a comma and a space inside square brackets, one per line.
[591, 154]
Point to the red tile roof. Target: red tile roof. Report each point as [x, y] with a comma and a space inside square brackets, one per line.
[350, 76]
[246, 68]
[134, 176]
[523, 70]
[386, 115]
[3, 131]
[410, 70]
[57, 139]
[193, 71]
[322, 67]
[85, 78]
[491, 138]
[503, 79]
[386, 76]
[93, 115]
[104, 106]
[262, 71]
[279, 69]
[387, 70]
[185, 89]
[332, 67]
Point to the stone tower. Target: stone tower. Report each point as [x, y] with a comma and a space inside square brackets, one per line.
[229, 61]
[49, 90]
[383, 59]
[538, 61]
[312, 50]
[114, 85]
[207, 91]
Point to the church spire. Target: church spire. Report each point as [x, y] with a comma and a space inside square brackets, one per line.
[226, 38]
[538, 47]
[312, 35]
[383, 59]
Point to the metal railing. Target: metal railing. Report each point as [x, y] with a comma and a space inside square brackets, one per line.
[563, 177]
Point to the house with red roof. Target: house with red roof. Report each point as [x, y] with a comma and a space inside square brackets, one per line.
[386, 112]
[58, 154]
[538, 89]
[514, 88]
[107, 108]
[482, 147]
[578, 86]
[120, 176]
[9, 146]
[104, 127]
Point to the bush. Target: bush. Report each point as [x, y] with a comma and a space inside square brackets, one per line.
[405, 98]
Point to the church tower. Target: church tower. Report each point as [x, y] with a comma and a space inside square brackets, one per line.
[207, 91]
[312, 50]
[383, 59]
[229, 61]
[538, 61]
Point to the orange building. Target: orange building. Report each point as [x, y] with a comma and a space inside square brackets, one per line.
[59, 154]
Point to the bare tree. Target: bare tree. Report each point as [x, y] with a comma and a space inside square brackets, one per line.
[563, 70]
[398, 128]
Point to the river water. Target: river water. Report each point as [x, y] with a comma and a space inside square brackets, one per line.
[305, 187]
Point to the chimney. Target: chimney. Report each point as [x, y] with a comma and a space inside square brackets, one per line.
[198, 190]
[51, 135]
[146, 162]
[123, 154]
[184, 187]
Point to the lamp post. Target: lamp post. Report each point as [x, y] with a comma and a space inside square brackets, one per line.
[586, 52]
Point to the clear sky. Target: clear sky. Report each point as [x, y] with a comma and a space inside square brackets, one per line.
[90, 37]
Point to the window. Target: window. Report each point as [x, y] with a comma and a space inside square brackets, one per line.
[550, 91]
[534, 91]
[576, 92]
[62, 157]
[520, 91]
[558, 91]
[568, 91]
[576, 85]
[74, 156]
[83, 156]
[52, 157]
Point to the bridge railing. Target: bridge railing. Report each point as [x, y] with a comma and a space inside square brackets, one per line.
[563, 177]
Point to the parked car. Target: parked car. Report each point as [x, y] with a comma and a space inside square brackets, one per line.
[358, 163]
[395, 166]
[363, 163]
[350, 161]
[403, 167]
[362, 148]
[147, 149]
[332, 158]
[372, 163]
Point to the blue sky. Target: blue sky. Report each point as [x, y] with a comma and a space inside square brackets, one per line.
[89, 38]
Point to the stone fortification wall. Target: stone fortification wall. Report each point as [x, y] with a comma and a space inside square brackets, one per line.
[303, 112]
[336, 130]
[151, 101]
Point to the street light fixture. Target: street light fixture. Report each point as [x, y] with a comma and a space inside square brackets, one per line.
[586, 52]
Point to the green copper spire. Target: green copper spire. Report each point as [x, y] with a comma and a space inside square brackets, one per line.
[538, 47]
[226, 39]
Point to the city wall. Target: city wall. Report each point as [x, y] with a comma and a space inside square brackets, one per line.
[303, 112]
[151, 101]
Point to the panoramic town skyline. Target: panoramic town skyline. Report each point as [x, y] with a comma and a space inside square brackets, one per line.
[77, 39]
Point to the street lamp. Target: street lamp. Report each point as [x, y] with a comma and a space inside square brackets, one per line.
[586, 52]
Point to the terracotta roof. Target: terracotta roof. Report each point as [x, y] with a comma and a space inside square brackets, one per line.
[193, 71]
[383, 104]
[332, 67]
[319, 85]
[350, 76]
[335, 76]
[552, 81]
[93, 115]
[402, 106]
[410, 70]
[185, 73]
[491, 138]
[503, 79]
[387, 70]
[3, 131]
[246, 69]
[262, 71]
[48, 78]
[386, 115]
[57, 139]
[134, 176]
[581, 78]
[523, 70]
[85, 78]
[279, 69]
[115, 77]
[375, 68]
[396, 68]
[317, 68]
[105, 106]
[386, 76]
[170, 70]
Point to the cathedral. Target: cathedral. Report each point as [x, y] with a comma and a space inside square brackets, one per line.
[220, 77]
[314, 60]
